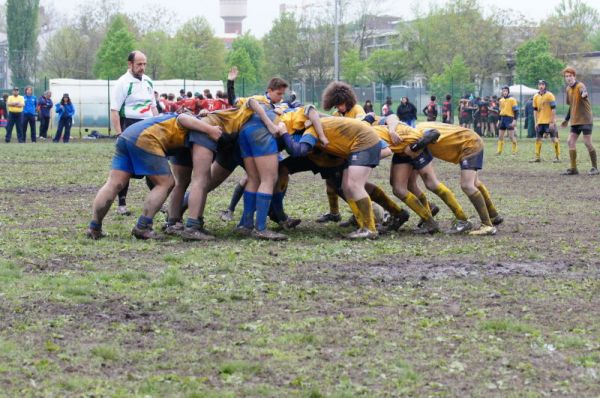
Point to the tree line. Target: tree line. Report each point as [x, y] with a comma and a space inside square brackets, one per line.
[459, 43]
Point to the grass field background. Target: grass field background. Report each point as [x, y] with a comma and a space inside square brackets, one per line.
[509, 316]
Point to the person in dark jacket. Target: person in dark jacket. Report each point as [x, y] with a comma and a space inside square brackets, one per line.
[407, 112]
[368, 106]
[65, 111]
[45, 105]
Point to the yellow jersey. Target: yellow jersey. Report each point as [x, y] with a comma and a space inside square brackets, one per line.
[345, 136]
[232, 120]
[407, 134]
[543, 104]
[15, 99]
[357, 112]
[295, 120]
[508, 106]
[157, 135]
[455, 143]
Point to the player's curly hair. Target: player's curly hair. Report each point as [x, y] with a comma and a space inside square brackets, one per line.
[570, 70]
[337, 93]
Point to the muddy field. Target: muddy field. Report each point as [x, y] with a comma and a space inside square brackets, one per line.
[512, 315]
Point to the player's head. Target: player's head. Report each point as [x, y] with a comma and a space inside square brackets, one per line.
[505, 91]
[339, 95]
[136, 62]
[276, 89]
[542, 85]
[570, 75]
[433, 97]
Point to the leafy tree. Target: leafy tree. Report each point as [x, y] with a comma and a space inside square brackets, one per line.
[595, 41]
[282, 48]
[195, 53]
[388, 66]
[113, 52]
[155, 45]
[248, 55]
[456, 77]
[354, 70]
[569, 29]
[65, 55]
[535, 62]
[22, 24]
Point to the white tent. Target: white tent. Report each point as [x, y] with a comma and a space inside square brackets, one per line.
[519, 89]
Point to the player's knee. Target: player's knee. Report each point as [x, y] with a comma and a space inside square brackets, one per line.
[400, 192]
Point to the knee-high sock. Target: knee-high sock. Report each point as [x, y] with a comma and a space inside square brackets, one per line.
[479, 204]
[450, 200]
[514, 146]
[593, 158]
[277, 206]
[424, 201]
[356, 212]
[238, 192]
[415, 205]
[123, 195]
[573, 158]
[557, 149]
[332, 197]
[263, 202]
[488, 200]
[379, 196]
[538, 149]
[500, 146]
[365, 209]
[247, 219]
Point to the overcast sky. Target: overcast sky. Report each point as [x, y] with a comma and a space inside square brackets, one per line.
[261, 13]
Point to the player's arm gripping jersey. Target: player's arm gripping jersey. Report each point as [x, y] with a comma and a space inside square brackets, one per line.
[407, 134]
[345, 136]
[232, 120]
[157, 135]
[455, 142]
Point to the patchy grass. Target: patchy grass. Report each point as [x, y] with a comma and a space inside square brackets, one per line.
[317, 316]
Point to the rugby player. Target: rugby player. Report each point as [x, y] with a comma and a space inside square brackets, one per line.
[544, 114]
[509, 113]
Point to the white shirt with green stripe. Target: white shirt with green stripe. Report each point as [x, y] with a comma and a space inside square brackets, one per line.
[133, 98]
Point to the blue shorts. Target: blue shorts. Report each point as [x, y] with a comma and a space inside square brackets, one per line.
[422, 160]
[133, 160]
[367, 157]
[255, 140]
[545, 129]
[473, 162]
[202, 139]
[505, 123]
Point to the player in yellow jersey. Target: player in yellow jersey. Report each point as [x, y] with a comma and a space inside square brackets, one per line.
[356, 142]
[341, 96]
[509, 113]
[544, 114]
[141, 150]
[581, 118]
[463, 146]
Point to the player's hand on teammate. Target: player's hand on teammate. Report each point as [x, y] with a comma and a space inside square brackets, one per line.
[395, 138]
[565, 123]
[216, 132]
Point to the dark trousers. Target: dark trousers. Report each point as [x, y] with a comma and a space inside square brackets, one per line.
[29, 119]
[44, 124]
[14, 119]
[64, 123]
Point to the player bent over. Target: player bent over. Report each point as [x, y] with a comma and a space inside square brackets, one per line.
[141, 150]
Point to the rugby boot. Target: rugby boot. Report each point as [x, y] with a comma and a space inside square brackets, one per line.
[95, 234]
[350, 222]
[497, 220]
[289, 223]
[434, 211]
[329, 217]
[399, 220]
[146, 233]
[484, 230]
[428, 227]
[226, 215]
[571, 172]
[175, 229]
[195, 234]
[535, 160]
[242, 231]
[123, 211]
[460, 226]
[362, 233]
[267, 234]
[556, 160]
[593, 172]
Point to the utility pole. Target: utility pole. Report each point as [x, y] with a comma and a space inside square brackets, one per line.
[336, 45]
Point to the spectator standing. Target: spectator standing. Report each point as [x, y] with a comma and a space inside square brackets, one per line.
[29, 113]
[447, 115]
[407, 112]
[45, 104]
[3, 110]
[65, 111]
[368, 106]
[430, 110]
[15, 103]
[386, 109]
[132, 100]
[529, 120]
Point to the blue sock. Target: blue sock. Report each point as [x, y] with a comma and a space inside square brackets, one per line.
[193, 223]
[144, 222]
[95, 226]
[247, 219]
[263, 202]
[277, 206]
